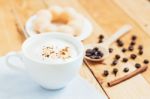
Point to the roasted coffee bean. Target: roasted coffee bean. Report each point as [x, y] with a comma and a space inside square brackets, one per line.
[120, 44]
[137, 65]
[134, 37]
[124, 50]
[47, 55]
[105, 73]
[114, 63]
[101, 36]
[94, 53]
[95, 49]
[97, 53]
[117, 56]
[97, 57]
[132, 43]
[140, 52]
[88, 54]
[124, 60]
[126, 69]
[133, 56]
[115, 70]
[88, 50]
[145, 61]
[93, 57]
[100, 41]
[110, 50]
[140, 47]
[118, 41]
[130, 48]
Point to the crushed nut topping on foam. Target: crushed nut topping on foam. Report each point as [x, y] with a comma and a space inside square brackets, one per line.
[51, 52]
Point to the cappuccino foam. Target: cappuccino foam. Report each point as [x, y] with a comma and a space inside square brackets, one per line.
[52, 50]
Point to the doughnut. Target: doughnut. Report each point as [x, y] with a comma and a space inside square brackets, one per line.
[55, 11]
[58, 19]
[38, 24]
[49, 28]
[66, 29]
[64, 17]
[44, 14]
[77, 25]
[72, 12]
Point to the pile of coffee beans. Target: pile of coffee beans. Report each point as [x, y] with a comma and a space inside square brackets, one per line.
[94, 53]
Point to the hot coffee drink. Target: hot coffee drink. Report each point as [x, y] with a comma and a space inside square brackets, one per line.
[52, 50]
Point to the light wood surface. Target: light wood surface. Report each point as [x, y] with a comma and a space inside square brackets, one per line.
[106, 17]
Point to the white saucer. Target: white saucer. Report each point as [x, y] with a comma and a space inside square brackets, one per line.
[86, 31]
[17, 85]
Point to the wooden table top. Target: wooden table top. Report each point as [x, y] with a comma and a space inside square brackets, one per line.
[107, 16]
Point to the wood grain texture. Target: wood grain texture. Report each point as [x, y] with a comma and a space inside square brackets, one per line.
[110, 17]
[106, 16]
[10, 39]
[138, 11]
[111, 21]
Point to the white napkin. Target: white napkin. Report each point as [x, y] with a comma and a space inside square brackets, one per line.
[17, 85]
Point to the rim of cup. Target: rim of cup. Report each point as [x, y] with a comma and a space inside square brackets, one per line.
[77, 43]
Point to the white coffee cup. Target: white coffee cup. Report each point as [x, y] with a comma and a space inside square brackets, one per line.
[49, 75]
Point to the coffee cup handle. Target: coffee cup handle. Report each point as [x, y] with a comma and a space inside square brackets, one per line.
[9, 63]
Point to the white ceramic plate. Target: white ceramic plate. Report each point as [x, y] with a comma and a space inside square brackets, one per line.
[85, 32]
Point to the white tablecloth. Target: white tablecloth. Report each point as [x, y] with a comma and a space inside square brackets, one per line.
[17, 85]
